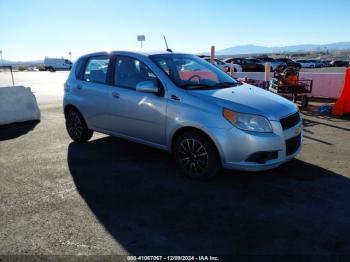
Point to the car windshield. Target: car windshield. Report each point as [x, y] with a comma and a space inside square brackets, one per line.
[191, 72]
[219, 62]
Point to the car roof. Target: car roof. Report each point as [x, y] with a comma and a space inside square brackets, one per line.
[263, 58]
[252, 58]
[132, 53]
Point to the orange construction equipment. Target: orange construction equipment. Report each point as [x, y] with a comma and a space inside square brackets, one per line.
[342, 106]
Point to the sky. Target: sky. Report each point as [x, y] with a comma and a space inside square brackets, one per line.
[33, 29]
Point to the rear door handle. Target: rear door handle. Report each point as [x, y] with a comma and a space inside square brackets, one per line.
[79, 87]
[115, 95]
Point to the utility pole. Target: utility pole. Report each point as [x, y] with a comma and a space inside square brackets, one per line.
[212, 54]
[2, 61]
[70, 55]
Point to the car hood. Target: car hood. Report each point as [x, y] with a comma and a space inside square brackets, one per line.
[249, 99]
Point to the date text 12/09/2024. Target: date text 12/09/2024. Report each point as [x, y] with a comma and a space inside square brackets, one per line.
[173, 258]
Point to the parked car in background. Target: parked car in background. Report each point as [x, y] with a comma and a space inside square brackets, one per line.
[224, 66]
[318, 63]
[183, 105]
[274, 63]
[340, 63]
[327, 63]
[248, 64]
[305, 63]
[290, 62]
[53, 64]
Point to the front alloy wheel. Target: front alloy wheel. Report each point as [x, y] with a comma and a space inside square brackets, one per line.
[197, 155]
[193, 156]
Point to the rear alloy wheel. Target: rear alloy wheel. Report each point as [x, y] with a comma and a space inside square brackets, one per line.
[76, 126]
[197, 155]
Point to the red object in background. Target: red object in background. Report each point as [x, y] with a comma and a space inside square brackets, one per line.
[342, 106]
[185, 75]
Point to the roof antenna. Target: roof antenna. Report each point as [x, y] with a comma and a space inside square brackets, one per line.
[166, 43]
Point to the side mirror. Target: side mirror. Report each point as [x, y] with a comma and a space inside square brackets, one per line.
[147, 87]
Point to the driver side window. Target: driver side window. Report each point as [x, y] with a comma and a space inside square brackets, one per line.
[129, 72]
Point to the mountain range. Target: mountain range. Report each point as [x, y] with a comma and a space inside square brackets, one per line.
[22, 63]
[240, 49]
[255, 49]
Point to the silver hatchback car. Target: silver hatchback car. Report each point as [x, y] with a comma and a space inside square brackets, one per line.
[184, 105]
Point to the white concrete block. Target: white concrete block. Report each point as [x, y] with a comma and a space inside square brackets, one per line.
[17, 104]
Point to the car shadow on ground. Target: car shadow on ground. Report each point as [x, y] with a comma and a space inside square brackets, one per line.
[15, 130]
[142, 200]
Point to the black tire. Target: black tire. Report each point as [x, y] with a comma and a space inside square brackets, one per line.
[76, 126]
[197, 155]
[304, 101]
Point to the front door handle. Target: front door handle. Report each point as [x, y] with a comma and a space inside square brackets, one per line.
[115, 95]
[174, 97]
[79, 87]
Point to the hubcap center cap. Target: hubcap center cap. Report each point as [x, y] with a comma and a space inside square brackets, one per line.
[193, 157]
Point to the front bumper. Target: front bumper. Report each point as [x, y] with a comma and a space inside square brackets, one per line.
[236, 146]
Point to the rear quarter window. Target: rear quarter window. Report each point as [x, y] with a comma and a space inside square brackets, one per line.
[96, 69]
[79, 68]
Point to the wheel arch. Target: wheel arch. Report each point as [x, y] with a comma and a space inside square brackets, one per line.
[69, 107]
[184, 129]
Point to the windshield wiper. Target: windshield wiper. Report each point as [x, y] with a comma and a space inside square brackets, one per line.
[197, 86]
[205, 86]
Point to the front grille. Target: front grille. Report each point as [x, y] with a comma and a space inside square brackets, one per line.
[290, 121]
[292, 144]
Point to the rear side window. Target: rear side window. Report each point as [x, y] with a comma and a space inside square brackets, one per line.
[96, 69]
[79, 69]
[129, 72]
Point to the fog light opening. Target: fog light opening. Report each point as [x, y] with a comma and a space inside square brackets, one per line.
[262, 157]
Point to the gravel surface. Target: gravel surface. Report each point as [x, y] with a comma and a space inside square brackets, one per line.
[110, 196]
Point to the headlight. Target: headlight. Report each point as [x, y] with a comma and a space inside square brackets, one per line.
[248, 122]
